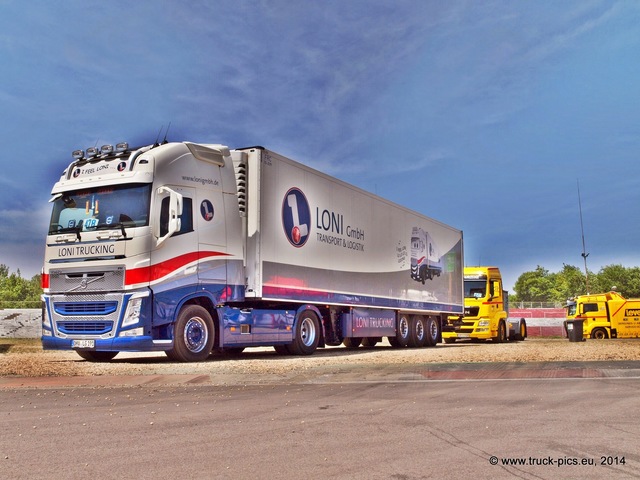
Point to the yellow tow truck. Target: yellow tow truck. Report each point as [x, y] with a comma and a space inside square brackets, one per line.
[486, 310]
[606, 315]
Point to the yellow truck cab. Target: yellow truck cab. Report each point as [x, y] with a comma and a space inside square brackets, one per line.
[606, 315]
[485, 310]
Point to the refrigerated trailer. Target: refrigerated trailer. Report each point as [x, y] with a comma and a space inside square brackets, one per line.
[194, 248]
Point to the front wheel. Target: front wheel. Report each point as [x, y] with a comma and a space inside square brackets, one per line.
[599, 334]
[193, 335]
[502, 333]
[307, 334]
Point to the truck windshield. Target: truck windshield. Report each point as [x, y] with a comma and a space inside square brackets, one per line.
[101, 208]
[475, 288]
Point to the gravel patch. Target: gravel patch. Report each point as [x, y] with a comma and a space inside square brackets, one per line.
[27, 359]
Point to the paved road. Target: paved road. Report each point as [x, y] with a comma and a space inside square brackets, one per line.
[448, 421]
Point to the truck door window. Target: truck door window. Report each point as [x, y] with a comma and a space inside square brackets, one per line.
[590, 307]
[186, 219]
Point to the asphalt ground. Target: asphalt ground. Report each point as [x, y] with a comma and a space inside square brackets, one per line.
[541, 420]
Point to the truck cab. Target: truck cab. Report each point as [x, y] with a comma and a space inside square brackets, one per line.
[485, 310]
[606, 315]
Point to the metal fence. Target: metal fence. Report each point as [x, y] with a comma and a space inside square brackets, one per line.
[513, 304]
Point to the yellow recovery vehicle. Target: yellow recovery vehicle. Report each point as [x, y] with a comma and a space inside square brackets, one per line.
[485, 310]
[606, 315]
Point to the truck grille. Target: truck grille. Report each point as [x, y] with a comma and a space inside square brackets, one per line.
[471, 311]
[92, 314]
[85, 308]
[85, 328]
[86, 281]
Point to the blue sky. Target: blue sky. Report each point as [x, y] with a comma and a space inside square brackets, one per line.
[482, 115]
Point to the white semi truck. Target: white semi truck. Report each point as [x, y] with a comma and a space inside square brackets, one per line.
[192, 249]
[426, 262]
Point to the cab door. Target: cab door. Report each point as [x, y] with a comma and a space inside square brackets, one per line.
[212, 241]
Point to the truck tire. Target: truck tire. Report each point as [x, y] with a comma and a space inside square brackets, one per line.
[370, 341]
[282, 349]
[596, 334]
[522, 334]
[418, 334]
[352, 342]
[502, 333]
[307, 334]
[403, 331]
[93, 356]
[193, 335]
[433, 331]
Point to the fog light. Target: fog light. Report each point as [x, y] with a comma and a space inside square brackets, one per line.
[134, 332]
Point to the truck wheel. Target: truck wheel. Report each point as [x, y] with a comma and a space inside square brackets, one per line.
[93, 356]
[193, 335]
[370, 341]
[502, 333]
[597, 334]
[282, 349]
[307, 334]
[523, 331]
[402, 332]
[433, 331]
[418, 334]
[352, 342]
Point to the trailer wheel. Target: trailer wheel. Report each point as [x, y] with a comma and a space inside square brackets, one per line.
[307, 334]
[352, 342]
[370, 341]
[597, 334]
[418, 334]
[523, 331]
[193, 336]
[433, 331]
[502, 333]
[402, 332]
[93, 356]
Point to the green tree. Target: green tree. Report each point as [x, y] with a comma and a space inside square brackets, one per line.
[535, 286]
[17, 292]
[625, 280]
[569, 282]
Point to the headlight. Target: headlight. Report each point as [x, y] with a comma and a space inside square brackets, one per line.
[46, 323]
[132, 315]
[483, 323]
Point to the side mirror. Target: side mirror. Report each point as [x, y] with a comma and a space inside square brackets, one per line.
[175, 210]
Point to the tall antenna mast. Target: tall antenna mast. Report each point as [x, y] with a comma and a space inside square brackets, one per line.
[584, 249]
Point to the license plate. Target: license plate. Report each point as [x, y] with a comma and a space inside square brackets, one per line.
[83, 344]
